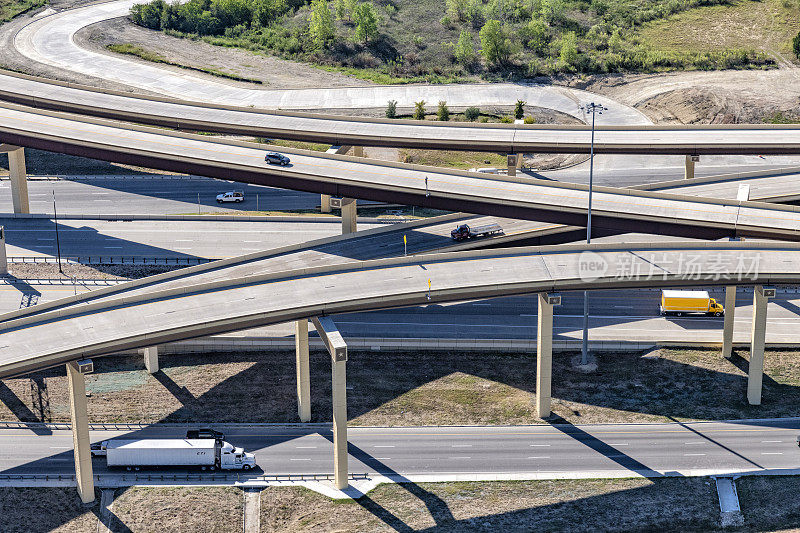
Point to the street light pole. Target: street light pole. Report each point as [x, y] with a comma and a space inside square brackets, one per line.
[58, 244]
[594, 109]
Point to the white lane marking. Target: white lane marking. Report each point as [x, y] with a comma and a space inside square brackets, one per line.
[460, 457]
[305, 447]
[303, 459]
[113, 247]
[483, 305]
[771, 441]
[617, 443]
[694, 442]
[539, 445]
[381, 458]
[688, 454]
[383, 446]
[461, 445]
[60, 447]
[185, 240]
[771, 453]
[540, 457]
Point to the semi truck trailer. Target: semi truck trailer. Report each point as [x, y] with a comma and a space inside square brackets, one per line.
[207, 454]
[464, 231]
[681, 303]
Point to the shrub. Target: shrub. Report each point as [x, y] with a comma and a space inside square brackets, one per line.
[796, 45]
[465, 49]
[519, 109]
[530, 120]
[443, 113]
[419, 110]
[320, 23]
[472, 113]
[507, 120]
[391, 109]
[366, 20]
[569, 49]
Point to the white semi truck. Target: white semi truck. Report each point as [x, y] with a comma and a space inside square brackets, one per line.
[208, 454]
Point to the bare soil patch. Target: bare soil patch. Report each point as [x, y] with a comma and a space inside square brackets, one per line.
[422, 388]
[564, 505]
[274, 73]
[78, 271]
[179, 509]
[60, 510]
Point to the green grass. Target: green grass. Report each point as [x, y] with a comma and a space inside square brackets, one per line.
[449, 159]
[11, 8]
[765, 25]
[153, 57]
[782, 118]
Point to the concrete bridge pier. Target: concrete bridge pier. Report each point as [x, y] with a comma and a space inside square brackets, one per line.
[514, 161]
[18, 175]
[761, 295]
[3, 256]
[544, 352]
[727, 328]
[79, 414]
[689, 167]
[303, 370]
[150, 358]
[325, 199]
[338, 350]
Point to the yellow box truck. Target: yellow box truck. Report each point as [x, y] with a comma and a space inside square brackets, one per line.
[681, 303]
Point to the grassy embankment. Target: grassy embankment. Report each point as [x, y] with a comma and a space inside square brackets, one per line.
[404, 389]
[435, 41]
[11, 8]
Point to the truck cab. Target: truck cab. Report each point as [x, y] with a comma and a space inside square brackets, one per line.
[714, 308]
[231, 457]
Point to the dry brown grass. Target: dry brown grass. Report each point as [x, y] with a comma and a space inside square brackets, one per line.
[26, 510]
[770, 503]
[564, 505]
[178, 509]
[402, 389]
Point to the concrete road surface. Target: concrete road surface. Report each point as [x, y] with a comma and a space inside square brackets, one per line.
[546, 450]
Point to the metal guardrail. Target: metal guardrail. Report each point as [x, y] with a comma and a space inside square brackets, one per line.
[112, 260]
[123, 426]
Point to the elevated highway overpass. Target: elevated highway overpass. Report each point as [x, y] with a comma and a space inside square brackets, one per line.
[615, 210]
[637, 138]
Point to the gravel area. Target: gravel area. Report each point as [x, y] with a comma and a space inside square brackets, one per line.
[71, 270]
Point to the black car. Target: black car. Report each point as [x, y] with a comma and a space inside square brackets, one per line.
[204, 433]
[274, 158]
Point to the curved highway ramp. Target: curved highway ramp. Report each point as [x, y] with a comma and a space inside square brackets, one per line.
[190, 311]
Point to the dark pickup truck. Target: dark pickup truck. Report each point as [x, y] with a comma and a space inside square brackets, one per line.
[464, 232]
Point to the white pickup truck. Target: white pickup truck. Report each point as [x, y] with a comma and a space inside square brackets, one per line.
[232, 196]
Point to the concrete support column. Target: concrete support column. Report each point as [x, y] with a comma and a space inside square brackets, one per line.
[349, 216]
[544, 352]
[337, 348]
[150, 359]
[544, 355]
[19, 180]
[358, 151]
[339, 386]
[3, 256]
[511, 160]
[689, 170]
[80, 432]
[757, 341]
[324, 203]
[727, 329]
[303, 371]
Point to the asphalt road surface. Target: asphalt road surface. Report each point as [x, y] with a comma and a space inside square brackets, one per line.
[649, 449]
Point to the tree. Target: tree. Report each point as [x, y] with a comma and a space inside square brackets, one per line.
[321, 23]
[148, 15]
[465, 48]
[538, 36]
[419, 110]
[391, 109]
[265, 11]
[519, 109]
[366, 21]
[569, 48]
[457, 9]
[495, 45]
[443, 113]
[796, 45]
[340, 8]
